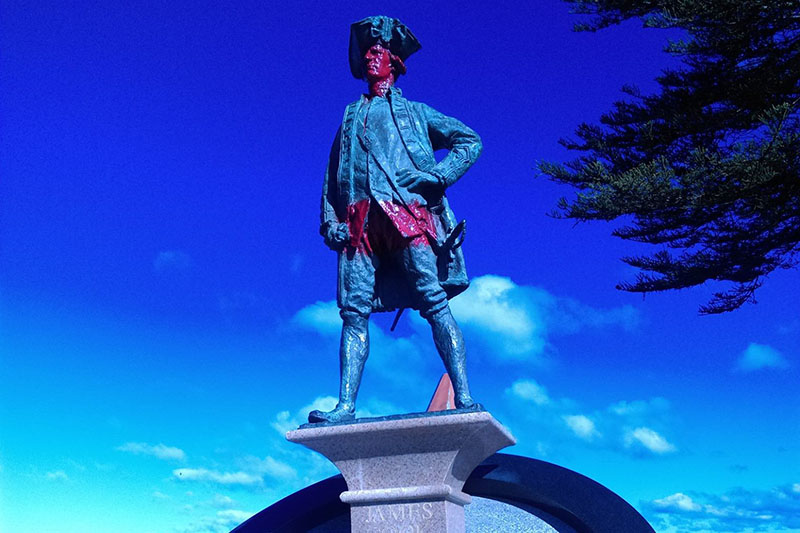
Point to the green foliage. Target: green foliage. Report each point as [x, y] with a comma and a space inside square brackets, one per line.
[708, 168]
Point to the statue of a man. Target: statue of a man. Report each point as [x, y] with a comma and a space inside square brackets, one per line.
[385, 212]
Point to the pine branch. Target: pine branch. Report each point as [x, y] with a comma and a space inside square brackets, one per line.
[708, 166]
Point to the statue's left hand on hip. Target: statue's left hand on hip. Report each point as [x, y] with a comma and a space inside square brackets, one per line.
[416, 180]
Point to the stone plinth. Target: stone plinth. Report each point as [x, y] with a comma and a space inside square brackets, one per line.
[405, 474]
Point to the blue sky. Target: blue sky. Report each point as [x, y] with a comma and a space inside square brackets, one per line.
[166, 302]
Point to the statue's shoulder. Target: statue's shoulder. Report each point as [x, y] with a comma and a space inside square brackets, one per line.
[354, 104]
[420, 108]
[350, 113]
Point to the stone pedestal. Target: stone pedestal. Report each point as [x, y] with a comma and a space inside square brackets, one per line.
[405, 474]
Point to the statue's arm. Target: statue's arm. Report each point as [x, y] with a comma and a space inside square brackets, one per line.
[331, 228]
[463, 144]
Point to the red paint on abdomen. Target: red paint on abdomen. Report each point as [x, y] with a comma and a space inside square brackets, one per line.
[389, 227]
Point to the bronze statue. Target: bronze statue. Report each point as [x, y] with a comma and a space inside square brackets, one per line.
[385, 212]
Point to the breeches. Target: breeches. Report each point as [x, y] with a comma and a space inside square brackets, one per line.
[411, 257]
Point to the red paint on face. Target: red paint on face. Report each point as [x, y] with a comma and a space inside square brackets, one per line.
[377, 63]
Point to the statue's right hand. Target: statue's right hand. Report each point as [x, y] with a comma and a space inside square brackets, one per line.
[337, 236]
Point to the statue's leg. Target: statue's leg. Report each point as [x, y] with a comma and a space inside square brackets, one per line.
[353, 353]
[449, 342]
[419, 262]
[358, 287]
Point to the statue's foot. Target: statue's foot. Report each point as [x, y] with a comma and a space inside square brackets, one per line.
[338, 414]
[468, 404]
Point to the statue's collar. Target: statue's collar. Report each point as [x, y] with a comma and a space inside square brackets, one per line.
[391, 93]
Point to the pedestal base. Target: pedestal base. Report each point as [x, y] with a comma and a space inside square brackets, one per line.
[413, 517]
[405, 474]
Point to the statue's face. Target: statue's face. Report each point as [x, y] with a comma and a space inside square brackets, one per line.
[377, 62]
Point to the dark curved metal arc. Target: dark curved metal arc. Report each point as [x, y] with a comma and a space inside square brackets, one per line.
[581, 503]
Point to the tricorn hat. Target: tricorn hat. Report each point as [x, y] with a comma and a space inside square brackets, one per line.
[365, 33]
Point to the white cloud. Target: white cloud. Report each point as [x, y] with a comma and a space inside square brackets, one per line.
[57, 475]
[284, 421]
[213, 476]
[222, 501]
[510, 318]
[677, 501]
[638, 408]
[582, 426]
[234, 516]
[367, 407]
[387, 352]
[412, 354]
[268, 466]
[238, 301]
[758, 356]
[528, 389]
[515, 321]
[158, 495]
[571, 316]
[322, 317]
[500, 320]
[76, 465]
[624, 426]
[776, 509]
[161, 451]
[374, 407]
[649, 440]
[221, 522]
[171, 260]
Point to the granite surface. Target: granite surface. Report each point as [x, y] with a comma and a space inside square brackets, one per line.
[484, 515]
[407, 473]
[481, 516]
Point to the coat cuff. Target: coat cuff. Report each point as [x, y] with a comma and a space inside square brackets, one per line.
[441, 177]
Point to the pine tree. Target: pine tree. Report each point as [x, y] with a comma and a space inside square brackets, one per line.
[708, 168]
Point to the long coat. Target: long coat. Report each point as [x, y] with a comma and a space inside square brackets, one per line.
[422, 130]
